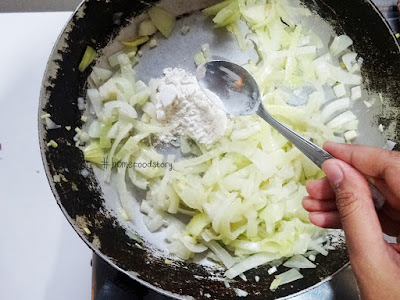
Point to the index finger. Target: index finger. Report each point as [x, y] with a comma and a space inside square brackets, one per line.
[370, 161]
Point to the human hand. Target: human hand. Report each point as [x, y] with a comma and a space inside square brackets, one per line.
[343, 200]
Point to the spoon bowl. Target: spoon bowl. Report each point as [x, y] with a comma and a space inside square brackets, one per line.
[232, 84]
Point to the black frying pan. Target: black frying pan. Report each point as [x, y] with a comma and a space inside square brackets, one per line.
[94, 24]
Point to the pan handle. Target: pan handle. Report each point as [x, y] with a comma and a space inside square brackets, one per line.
[109, 290]
[108, 283]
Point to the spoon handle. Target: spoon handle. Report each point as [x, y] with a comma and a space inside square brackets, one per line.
[315, 153]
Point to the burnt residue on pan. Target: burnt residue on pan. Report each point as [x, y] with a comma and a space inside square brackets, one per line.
[93, 24]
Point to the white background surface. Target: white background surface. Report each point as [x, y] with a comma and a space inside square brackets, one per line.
[41, 257]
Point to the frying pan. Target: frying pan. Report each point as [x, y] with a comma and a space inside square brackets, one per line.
[90, 205]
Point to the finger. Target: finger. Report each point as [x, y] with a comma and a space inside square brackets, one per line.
[320, 189]
[381, 167]
[356, 209]
[330, 219]
[370, 161]
[316, 205]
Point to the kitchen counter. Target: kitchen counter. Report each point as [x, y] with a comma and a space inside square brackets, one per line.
[41, 256]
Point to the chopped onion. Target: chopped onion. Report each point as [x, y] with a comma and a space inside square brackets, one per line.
[88, 57]
[370, 102]
[81, 103]
[199, 58]
[333, 108]
[349, 60]
[272, 270]
[51, 125]
[123, 108]
[312, 257]
[153, 43]
[240, 293]
[95, 129]
[350, 135]
[389, 145]
[185, 29]
[163, 20]
[102, 74]
[137, 41]
[317, 247]
[339, 90]
[356, 93]
[189, 243]
[340, 75]
[153, 224]
[52, 143]
[249, 263]
[147, 27]
[95, 100]
[342, 119]
[56, 178]
[221, 253]
[299, 262]
[339, 44]
[243, 277]
[45, 116]
[205, 48]
[286, 277]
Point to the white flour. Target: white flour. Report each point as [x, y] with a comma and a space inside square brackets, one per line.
[182, 104]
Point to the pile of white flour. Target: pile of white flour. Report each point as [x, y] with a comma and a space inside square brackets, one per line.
[182, 104]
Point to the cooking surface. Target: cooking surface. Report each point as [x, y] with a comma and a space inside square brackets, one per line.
[39, 251]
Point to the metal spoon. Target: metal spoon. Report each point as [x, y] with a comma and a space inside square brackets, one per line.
[236, 92]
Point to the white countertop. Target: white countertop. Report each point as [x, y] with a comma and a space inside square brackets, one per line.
[41, 257]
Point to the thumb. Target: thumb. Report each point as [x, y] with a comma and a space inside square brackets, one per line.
[356, 208]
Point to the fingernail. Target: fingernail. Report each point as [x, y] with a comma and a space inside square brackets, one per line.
[328, 143]
[333, 173]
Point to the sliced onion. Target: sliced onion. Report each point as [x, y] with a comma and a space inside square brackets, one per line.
[339, 44]
[240, 292]
[195, 248]
[299, 262]
[249, 263]
[349, 60]
[222, 254]
[342, 119]
[122, 107]
[50, 124]
[333, 108]
[389, 145]
[286, 277]
[95, 100]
